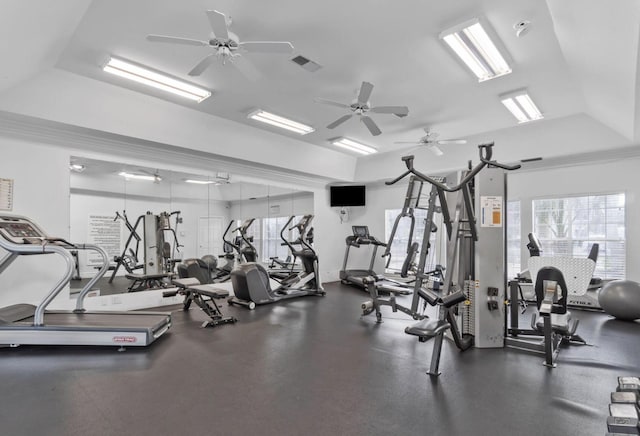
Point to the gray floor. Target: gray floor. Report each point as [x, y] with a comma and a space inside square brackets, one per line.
[312, 366]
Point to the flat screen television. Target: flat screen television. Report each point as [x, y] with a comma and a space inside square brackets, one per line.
[345, 196]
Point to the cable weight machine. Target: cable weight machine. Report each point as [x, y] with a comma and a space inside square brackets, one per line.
[466, 272]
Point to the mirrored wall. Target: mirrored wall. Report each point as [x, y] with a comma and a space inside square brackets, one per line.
[110, 203]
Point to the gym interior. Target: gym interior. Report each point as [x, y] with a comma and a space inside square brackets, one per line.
[325, 218]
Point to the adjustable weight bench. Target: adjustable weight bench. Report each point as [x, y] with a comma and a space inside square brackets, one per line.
[204, 296]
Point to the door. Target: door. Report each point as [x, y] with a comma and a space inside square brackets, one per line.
[209, 235]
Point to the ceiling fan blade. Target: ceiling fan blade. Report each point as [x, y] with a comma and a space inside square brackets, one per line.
[339, 121]
[435, 149]
[400, 111]
[408, 142]
[218, 23]
[331, 102]
[267, 46]
[176, 40]
[246, 68]
[202, 65]
[452, 141]
[371, 125]
[365, 92]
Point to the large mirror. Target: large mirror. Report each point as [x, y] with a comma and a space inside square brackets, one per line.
[151, 219]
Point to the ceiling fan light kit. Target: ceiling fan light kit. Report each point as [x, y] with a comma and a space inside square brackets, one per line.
[471, 42]
[278, 121]
[226, 46]
[430, 141]
[521, 106]
[146, 76]
[361, 106]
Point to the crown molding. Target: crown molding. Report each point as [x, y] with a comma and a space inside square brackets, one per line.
[81, 140]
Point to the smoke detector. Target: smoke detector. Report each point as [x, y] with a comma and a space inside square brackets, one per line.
[522, 27]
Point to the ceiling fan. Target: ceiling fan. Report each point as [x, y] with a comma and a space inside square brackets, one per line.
[431, 141]
[226, 46]
[360, 106]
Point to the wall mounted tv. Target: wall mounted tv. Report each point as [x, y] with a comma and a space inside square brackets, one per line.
[345, 196]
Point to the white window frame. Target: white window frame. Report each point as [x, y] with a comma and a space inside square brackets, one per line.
[573, 241]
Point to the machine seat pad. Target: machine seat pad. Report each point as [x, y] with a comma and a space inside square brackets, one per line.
[428, 328]
[563, 329]
[186, 282]
[147, 276]
[209, 291]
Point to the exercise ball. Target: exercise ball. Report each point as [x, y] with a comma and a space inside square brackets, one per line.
[621, 299]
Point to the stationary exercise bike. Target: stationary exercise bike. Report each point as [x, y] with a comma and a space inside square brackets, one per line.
[251, 280]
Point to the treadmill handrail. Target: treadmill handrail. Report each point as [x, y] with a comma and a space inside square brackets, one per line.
[48, 245]
[103, 270]
[38, 317]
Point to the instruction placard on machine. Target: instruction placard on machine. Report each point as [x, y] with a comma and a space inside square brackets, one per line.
[491, 211]
[6, 194]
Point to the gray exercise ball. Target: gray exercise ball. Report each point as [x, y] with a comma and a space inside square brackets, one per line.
[621, 299]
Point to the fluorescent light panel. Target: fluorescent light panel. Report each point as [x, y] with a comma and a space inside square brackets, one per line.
[139, 176]
[278, 121]
[159, 81]
[520, 104]
[475, 48]
[200, 182]
[353, 146]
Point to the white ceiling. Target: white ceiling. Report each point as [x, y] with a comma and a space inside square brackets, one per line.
[579, 59]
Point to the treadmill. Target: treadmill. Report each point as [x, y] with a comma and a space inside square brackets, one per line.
[356, 277]
[34, 325]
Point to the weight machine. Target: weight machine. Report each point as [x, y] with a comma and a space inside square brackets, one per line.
[469, 267]
[159, 254]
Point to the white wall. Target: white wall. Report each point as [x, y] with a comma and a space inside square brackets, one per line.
[331, 233]
[41, 192]
[592, 179]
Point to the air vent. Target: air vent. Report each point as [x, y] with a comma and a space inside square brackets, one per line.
[532, 159]
[306, 63]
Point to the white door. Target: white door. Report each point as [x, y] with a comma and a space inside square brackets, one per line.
[209, 235]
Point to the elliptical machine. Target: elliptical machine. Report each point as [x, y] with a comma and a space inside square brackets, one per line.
[251, 281]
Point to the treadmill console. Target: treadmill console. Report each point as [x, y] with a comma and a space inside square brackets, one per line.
[20, 230]
[360, 232]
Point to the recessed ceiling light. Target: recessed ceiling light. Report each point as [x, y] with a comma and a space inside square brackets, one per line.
[471, 42]
[140, 176]
[278, 121]
[77, 168]
[521, 106]
[352, 145]
[157, 80]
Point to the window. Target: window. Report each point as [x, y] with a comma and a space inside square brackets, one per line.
[271, 238]
[253, 232]
[513, 239]
[401, 239]
[570, 226]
